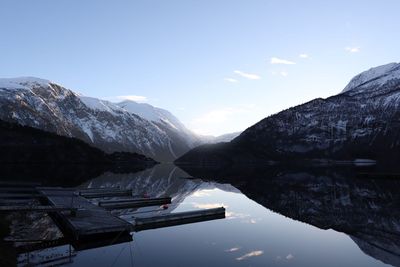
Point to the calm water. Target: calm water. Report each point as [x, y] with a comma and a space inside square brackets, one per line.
[275, 217]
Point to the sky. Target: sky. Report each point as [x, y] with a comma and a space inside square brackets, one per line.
[218, 65]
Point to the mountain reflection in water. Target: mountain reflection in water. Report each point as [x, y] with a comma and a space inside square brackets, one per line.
[365, 210]
[368, 210]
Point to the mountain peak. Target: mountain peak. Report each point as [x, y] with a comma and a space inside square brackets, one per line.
[23, 82]
[147, 111]
[374, 77]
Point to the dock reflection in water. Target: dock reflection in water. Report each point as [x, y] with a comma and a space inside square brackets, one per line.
[275, 217]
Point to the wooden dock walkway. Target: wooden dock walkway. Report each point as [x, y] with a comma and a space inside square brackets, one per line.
[19, 196]
[39, 208]
[89, 219]
[178, 218]
[105, 193]
[89, 224]
[134, 203]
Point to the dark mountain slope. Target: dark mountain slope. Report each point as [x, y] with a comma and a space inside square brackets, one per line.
[361, 122]
[23, 144]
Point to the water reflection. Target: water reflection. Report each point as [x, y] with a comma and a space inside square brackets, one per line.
[275, 217]
[164, 180]
[328, 198]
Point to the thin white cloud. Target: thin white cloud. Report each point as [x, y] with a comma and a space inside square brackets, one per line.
[254, 253]
[250, 76]
[232, 249]
[200, 193]
[281, 73]
[208, 205]
[289, 257]
[354, 49]
[234, 215]
[304, 56]
[136, 98]
[231, 80]
[275, 60]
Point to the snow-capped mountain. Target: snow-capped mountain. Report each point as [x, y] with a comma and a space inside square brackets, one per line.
[165, 120]
[48, 106]
[374, 77]
[152, 113]
[363, 121]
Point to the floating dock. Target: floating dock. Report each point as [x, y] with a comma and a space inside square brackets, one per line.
[90, 223]
[178, 218]
[104, 193]
[88, 220]
[39, 208]
[134, 203]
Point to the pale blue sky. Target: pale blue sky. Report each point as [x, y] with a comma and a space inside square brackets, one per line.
[193, 57]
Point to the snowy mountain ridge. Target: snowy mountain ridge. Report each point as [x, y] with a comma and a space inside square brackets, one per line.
[22, 82]
[161, 117]
[48, 106]
[147, 111]
[100, 105]
[374, 77]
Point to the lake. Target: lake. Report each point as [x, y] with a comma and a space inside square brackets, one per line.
[275, 216]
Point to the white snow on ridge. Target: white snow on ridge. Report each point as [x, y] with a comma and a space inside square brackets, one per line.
[375, 76]
[152, 113]
[145, 111]
[138, 126]
[159, 115]
[98, 104]
[23, 82]
[104, 124]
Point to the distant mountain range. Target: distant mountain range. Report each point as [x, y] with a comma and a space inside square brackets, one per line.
[127, 126]
[209, 139]
[363, 121]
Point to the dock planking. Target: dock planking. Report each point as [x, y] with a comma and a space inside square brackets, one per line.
[19, 196]
[89, 219]
[39, 208]
[179, 218]
[134, 203]
[84, 222]
[105, 193]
